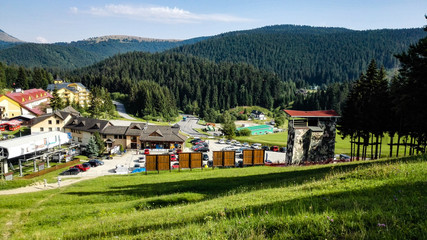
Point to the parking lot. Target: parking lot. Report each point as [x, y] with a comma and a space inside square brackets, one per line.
[275, 157]
[131, 157]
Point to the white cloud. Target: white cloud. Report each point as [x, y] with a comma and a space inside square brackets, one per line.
[74, 10]
[41, 40]
[159, 13]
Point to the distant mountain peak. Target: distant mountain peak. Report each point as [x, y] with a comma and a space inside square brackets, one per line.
[125, 38]
[4, 37]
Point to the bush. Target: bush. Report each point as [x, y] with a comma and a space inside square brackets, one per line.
[244, 132]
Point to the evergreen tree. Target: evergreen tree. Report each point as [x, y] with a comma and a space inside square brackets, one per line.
[56, 102]
[92, 147]
[22, 81]
[228, 126]
[99, 143]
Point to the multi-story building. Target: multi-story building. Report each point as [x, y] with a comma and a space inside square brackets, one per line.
[31, 102]
[71, 92]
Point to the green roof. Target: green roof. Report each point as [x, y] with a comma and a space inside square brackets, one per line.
[258, 128]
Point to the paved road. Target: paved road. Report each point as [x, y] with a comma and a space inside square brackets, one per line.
[189, 125]
[122, 111]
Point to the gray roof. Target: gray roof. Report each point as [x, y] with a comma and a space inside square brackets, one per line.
[88, 124]
[51, 87]
[71, 110]
[61, 114]
[115, 130]
[155, 133]
[135, 129]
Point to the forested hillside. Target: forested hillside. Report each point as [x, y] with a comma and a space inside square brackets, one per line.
[47, 55]
[198, 85]
[81, 53]
[311, 54]
[107, 47]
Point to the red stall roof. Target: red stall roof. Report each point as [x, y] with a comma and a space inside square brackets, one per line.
[305, 114]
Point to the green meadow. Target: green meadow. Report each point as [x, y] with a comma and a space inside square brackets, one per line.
[382, 199]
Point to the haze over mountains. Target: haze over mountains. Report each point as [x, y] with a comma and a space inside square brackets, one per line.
[314, 55]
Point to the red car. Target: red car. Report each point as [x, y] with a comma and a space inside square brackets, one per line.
[274, 148]
[175, 166]
[83, 167]
[173, 158]
[146, 151]
[179, 151]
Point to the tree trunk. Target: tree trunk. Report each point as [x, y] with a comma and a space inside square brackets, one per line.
[376, 147]
[372, 146]
[358, 147]
[398, 145]
[391, 145]
[381, 145]
[351, 147]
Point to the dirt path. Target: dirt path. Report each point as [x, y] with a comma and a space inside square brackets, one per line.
[41, 187]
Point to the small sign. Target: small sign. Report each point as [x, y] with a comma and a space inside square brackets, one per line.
[8, 176]
[41, 166]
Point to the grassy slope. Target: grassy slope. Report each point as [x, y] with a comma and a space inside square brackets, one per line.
[363, 200]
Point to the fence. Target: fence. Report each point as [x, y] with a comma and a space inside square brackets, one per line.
[51, 169]
[158, 162]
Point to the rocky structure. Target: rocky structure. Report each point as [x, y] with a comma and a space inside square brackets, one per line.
[311, 136]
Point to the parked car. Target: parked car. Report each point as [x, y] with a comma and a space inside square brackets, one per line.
[202, 149]
[283, 149]
[175, 165]
[274, 148]
[95, 162]
[205, 157]
[345, 157]
[265, 148]
[81, 167]
[228, 141]
[221, 141]
[204, 144]
[146, 151]
[245, 144]
[173, 158]
[228, 148]
[71, 171]
[195, 147]
[256, 145]
[141, 159]
[179, 151]
[237, 143]
[196, 141]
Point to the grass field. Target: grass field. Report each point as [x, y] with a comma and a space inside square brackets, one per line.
[341, 145]
[272, 139]
[383, 199]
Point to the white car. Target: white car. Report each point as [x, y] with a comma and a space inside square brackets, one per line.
[256, 146]
[228, 148]
[221, 141]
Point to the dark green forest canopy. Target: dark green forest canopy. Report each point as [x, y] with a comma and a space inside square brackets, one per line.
[51, 56]
[191, 80]
[309, 54]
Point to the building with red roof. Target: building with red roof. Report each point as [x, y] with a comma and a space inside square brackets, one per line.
[311, 136]
[24, 102]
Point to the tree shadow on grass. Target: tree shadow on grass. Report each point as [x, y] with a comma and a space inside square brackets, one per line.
[214, 187]
[384, 203]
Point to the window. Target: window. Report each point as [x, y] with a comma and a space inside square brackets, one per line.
[50, 121]
[57, 121]
[50, 129]
[41, 129]
[58, 129]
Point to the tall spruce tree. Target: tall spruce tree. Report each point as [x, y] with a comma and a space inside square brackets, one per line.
[56, 102]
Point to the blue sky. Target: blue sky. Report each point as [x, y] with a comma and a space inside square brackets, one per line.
[73, 20]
